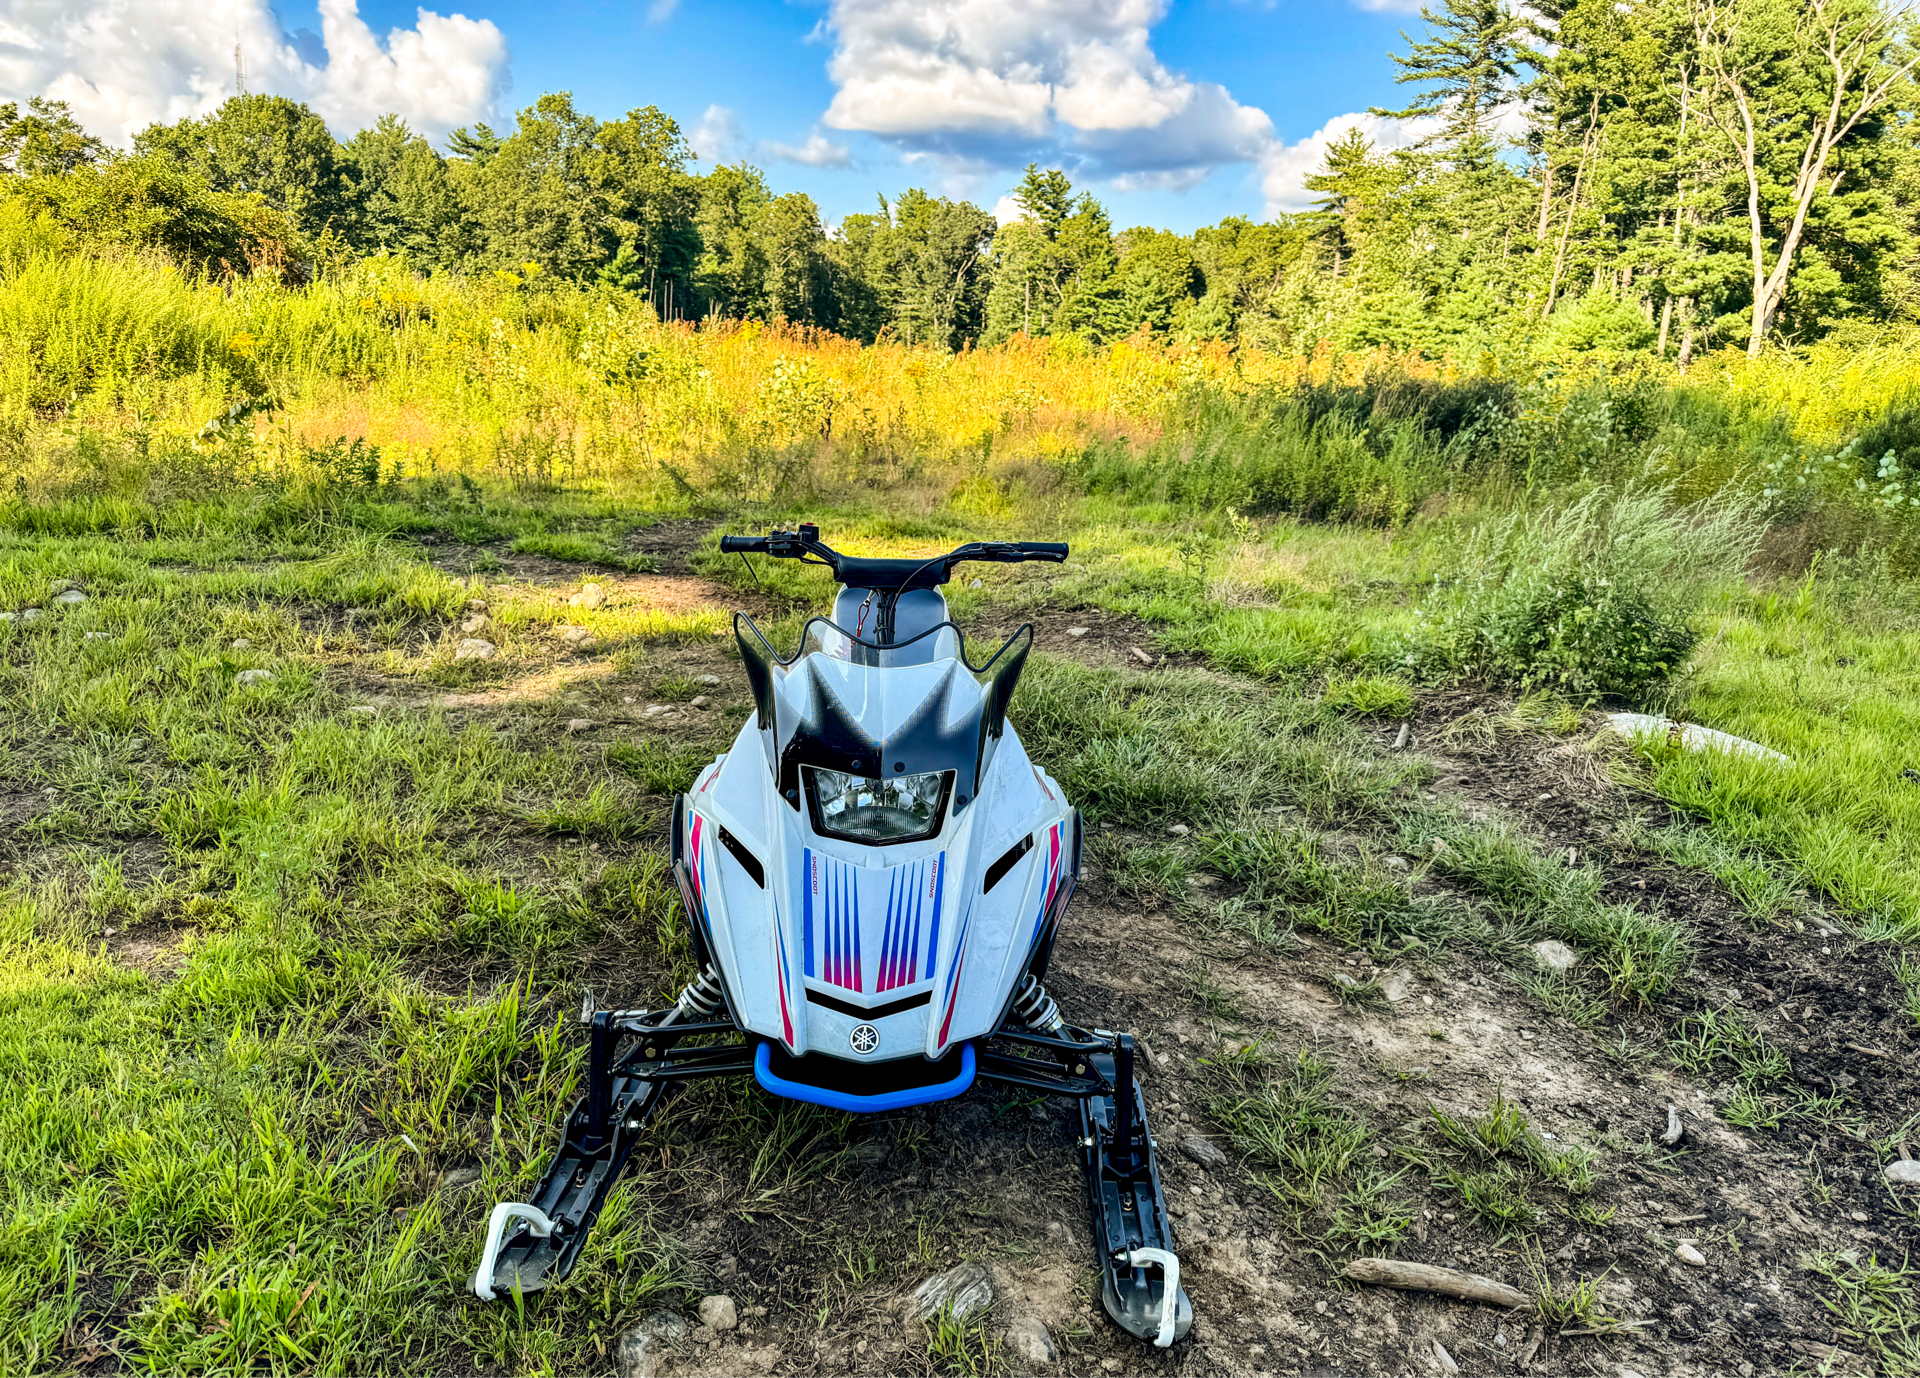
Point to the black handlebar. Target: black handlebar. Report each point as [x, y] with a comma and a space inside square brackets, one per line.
[888, 575]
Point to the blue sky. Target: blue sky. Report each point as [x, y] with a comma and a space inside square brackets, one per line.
[1175, 112]
[1301, 62]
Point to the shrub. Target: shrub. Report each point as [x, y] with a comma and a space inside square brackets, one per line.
[1592, 599]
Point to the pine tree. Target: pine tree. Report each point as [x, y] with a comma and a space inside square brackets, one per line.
[1469, 65]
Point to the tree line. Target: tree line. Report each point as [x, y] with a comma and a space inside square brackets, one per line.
[1626, 176]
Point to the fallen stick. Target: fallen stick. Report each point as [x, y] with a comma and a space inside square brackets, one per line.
[1680, 1219]
[1613, 1329]
[1869, 1052]
[1674, 1131]
[1531, 1348]
[1424, 1277]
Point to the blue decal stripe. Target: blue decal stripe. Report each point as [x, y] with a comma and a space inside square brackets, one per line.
[933, 937]
[806, 884]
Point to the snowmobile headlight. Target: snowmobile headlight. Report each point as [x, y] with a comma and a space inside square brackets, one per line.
[898, 808]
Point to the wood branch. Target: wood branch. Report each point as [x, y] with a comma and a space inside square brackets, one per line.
[1424, 1277]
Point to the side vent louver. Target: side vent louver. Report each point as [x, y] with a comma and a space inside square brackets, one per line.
[748, 861]
[1006, 863]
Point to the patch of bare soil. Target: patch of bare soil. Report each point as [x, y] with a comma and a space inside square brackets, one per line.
[670, 543]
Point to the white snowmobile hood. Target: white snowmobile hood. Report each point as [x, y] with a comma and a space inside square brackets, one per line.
[875, 952]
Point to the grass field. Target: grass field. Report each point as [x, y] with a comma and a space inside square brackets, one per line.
[289, 961]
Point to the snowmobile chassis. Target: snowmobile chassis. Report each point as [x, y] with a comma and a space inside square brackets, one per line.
[638, 1059]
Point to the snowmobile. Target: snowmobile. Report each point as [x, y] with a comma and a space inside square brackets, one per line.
[874, 875]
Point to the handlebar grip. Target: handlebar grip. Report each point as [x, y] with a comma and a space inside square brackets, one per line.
[743, 545]
[1046, 550]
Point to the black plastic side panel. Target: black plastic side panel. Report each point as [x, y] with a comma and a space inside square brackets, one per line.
[758, 657]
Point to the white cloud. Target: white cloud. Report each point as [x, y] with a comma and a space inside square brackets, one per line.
[716, 136]
[1001, 80]
[660, 11]
[817, 151]
[1285, 167]
[123, 64]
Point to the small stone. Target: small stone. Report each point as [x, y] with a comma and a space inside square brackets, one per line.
[1178, 830]
[581, 724]
[1690, 1256]
[474, 623]
[719, 1312]
[590, 596]
[1027, 1337]
[711, 681]
[960, 1292]
[473, 648]
[29, 614]
[575, 636]
[1555, 956]
[1204, 1151]
[59, 585]
[136, 744]
[1445, 1360]
[1904, 1173]
[363, 710]
[459, 1178]
[1345, 980]
[1078, 631]
[1139, 655]
[1394, 863]
[1859, 1217]
[1111, 1365]
[70, 597]
[699, 701]
[1398, 986]
[654, 710]
[239, 643]
[473, 605]
[246, 679]
[640, 1350]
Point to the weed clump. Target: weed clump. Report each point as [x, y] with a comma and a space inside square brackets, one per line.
[1284, 1119]
[1593, 599]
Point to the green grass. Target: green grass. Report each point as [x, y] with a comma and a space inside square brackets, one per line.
[1497, 1165]
[1287, 1120]
[1875, 1305]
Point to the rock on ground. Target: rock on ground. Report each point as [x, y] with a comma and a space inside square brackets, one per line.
[719, 1312]
[575, 636]
[1904, 1173]
[711, 680]
[1203, 1151]
[248, 678]
[1692, 736]
[959, 1291]
[1555, 956]
[641, 1349]
[473, 648]
[1027, 1337]
[70, 597]
[590, 596]
[581, 724]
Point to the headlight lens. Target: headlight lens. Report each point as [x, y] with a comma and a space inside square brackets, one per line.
[899, 809]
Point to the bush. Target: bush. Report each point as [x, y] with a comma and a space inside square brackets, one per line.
[1593, 599]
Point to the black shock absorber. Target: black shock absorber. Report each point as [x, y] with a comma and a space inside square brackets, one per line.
[1036, 1009]
[701, 997]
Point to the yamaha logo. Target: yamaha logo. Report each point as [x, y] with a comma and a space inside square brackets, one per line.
[865, 1038]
